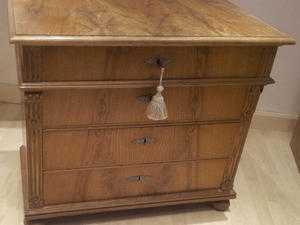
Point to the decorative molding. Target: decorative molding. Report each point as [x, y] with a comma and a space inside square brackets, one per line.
[63, 40]
[251, 102]
[92, 207]
[34, 144]
[201, 82]
[227, 184]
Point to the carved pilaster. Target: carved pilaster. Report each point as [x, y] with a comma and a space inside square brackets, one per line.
[33, 115]
[248, 111]
[227, 184]
[250, 106]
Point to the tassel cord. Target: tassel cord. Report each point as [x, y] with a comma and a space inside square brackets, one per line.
[162, 72]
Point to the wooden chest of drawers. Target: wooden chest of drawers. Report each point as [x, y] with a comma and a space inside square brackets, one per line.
[87, 70]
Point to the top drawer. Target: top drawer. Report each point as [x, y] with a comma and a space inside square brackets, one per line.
[131, 63]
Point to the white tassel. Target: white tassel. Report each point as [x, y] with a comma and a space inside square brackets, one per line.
[157, 109]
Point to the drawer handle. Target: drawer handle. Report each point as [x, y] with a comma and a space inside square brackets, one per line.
[159, 61]
[145, 98]
[144, 141]
[138, 178]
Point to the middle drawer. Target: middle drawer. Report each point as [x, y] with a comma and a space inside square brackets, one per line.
[106, 147]
[128, 106]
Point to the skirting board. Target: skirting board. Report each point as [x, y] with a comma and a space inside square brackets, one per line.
[10, 93]
[10, 111]
[274, 121]
[295, 145]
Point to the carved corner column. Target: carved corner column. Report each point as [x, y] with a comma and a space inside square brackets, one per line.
[33, 114]
[248, 111]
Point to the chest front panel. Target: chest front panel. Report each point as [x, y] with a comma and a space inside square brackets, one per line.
[91, 140]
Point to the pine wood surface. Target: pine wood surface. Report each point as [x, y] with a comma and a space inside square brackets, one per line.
[113, 106]
[54, 64]
[120, 182]
[134, 22]
[137, 145]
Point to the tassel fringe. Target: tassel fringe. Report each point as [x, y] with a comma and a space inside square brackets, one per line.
[157, 109]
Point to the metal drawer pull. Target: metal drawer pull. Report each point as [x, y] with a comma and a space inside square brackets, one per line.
[145, 98]
[138, 178]
[144, 141]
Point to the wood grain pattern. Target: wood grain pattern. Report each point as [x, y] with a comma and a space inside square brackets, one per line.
[92, 207]
[87, 107]
[32, 58]
[248, 111]
[106, 147]
[96, 184]
[90, 147]
[218, 20]
[265, 169]
[130, 63]
[34, 144]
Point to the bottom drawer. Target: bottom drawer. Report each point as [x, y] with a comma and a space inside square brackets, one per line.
[118, 182]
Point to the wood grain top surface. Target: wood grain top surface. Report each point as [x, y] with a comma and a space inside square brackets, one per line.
[141, 21]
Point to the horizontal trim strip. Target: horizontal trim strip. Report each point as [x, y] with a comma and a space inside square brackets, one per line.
[207, 195]
[124, 125]
[124, 165]
[64, 40]
[36, 86]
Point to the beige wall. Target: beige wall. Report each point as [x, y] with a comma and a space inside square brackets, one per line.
[283, 97]
[8, 79]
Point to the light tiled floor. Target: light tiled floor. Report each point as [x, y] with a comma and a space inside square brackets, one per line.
[268, 187]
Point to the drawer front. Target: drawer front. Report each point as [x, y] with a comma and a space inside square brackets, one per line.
[106, 147]
[120, 182]
[130, 63]
[87, 107]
